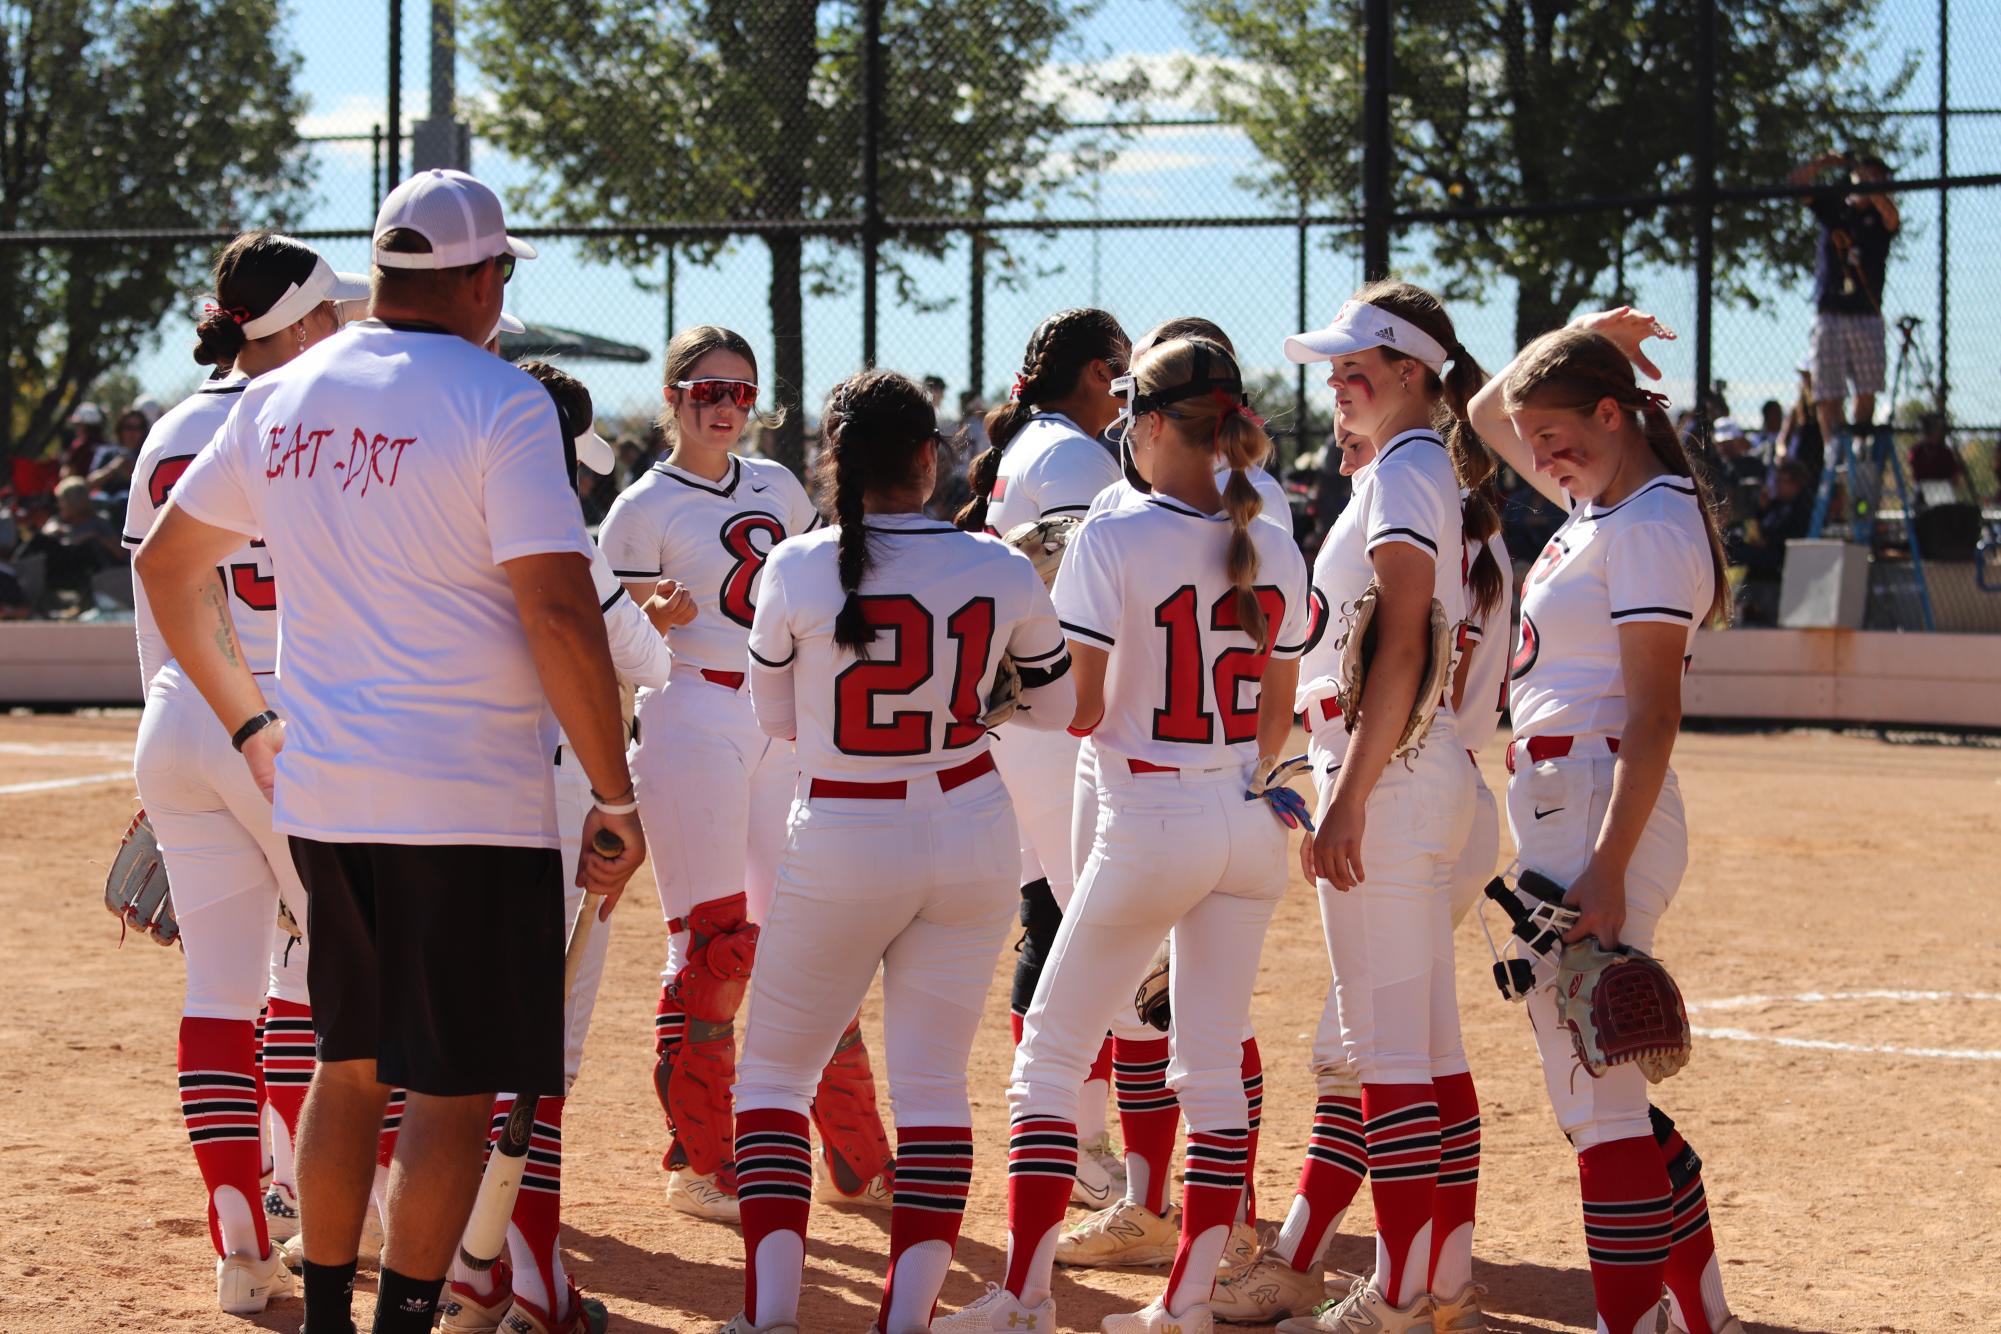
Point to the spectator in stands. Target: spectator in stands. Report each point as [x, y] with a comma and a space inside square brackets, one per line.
[14, 601]
[1799, 435]
[953, 490]
[1933, 459]
[111, 468]
[595, 492]
[1762, 551]
[86, 438]
[1856, 228]
[76, 543]
[934, 389]
[631, 463]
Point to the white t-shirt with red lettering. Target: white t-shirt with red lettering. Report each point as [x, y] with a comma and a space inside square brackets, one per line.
[392, 471]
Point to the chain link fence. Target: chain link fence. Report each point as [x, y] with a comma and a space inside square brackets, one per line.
[917, 186]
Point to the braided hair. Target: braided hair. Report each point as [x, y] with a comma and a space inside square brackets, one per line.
[873, 426]
[1058, 351]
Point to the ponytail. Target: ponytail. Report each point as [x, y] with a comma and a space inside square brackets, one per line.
[1058, 351]
[851, 627]
[874, 425]
[1242, 442]
[1672, 453]
[250, 274]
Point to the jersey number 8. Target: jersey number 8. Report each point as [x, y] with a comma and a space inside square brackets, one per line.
[906, 621]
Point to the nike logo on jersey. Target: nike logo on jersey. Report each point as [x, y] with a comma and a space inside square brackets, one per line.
[1544, 815]
[760, 486]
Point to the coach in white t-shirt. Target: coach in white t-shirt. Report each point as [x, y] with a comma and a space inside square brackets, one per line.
[434, 584]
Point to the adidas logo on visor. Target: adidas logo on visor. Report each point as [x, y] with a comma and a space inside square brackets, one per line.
[1388, 335]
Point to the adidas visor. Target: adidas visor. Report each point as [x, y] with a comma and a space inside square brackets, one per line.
[1359, 326]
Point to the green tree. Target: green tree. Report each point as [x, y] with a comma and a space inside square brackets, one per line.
[1499, 102]
[750, 112]
[168, 114]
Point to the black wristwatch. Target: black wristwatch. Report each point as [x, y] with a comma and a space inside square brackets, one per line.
[252, 728]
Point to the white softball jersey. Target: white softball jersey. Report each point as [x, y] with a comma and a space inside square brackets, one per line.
[1122, 494]
[638, 654]
[1409, 494]
[170, 448]
[1050, 467]
[1645, 559]
[715, 538]
[945, 605]
[1486, 651]
[393, 470]
[1150, 586]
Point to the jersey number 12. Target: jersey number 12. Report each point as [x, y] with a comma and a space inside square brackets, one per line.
[1185, 719]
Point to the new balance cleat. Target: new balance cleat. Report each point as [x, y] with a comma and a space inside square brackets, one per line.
[1461, 1314]
[700, 1196]
[1364, 1311]
[1267, 1290]
[1125, 1234]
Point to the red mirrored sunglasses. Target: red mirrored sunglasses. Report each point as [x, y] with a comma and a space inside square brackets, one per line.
[703, 393]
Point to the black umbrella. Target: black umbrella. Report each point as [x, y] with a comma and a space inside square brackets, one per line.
[547, 341]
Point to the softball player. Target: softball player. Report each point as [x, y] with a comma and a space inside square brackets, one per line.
[1186, 617]
[1609, 615]
[531, 1294]
[876, 644]
[711, 784]
[1045, 459]
[1391, 833]
[230, 871]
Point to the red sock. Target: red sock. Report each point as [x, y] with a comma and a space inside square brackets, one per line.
[288, 1061]
[1101, 1064]
[1452, 1204]
[1400, 1123]
[1149, 1116]
[1254, 1096]
[217, 1059]
[1692, 1246]
[1626, 1211]
[1212, 1183]
[670, 1027]
[392, 1123]
[1015, 1019]
[1041, 1168]
[774, 1184]
[934, 1171]
[538, 1207]
[257, 1062]
[1337, 1161]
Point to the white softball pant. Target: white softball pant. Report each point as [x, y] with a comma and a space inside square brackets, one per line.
[1395, 1000]
[924, 887]
[227, 866]
[1572, 793]
[573, 803]
[1039, 769]
[713, 790]
[1181, 856]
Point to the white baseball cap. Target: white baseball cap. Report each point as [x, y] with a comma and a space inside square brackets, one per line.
[87, 414]
[1359, 326]
[1726, 428]
[458, 214]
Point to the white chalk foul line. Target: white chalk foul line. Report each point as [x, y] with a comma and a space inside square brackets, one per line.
[1827, 1044]
[52, 784]
[106, 750]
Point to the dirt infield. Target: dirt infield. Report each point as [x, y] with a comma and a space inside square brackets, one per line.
[1838, 925]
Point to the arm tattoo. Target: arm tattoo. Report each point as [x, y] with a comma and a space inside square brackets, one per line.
[225, 630]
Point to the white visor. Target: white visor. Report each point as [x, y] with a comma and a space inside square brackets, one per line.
[299, 300]
[509, 324]
[595, 452]
[1359, 326]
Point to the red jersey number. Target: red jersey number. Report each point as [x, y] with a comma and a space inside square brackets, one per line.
[1185, 717]
[740, 538]
[1234, 666]
[902, 621]
[160, 483]
[257, 590]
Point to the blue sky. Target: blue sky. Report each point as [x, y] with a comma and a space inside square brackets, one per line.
[1241, 278]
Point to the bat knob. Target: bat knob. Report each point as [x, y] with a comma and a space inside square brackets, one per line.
[607, 844]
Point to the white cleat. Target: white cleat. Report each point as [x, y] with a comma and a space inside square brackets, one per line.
[1125, 1234]
[699, 1196]
[245, 1284]
[281, 1212]
[1461, 1314]
[741, 1325]
[1101, 1174]
[1730, 1325]
[999, 1312]
[293, 1251]
[1266, 1290]
[1154, 1319]
[1364, 1311]
[876, 1192]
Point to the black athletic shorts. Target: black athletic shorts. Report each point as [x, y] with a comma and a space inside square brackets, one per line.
[443, 965]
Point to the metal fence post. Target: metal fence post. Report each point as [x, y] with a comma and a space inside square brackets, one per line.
[871, 167]
[1944, 201]
[1377, 55]
[1299, 378]
[395, 143]
[1705, 202]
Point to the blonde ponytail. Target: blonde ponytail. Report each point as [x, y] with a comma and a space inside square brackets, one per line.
[1242, 443]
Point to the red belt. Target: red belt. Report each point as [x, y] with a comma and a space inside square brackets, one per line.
[728, 680]
[957, 776]
[1142, 767]
[1330, 709]
[1542, 748]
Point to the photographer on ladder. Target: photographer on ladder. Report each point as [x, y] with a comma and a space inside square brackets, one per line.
[1846, 351]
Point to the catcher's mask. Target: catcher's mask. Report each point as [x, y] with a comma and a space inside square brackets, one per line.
[1214, 371]
[1539, 925]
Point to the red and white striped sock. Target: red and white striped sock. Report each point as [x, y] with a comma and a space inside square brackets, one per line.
[1212, 1183]
[392, 1125]
[218, 1079]
[670, 1028]
[1254, 1097]
[1337, 1161]
[934, 1172]
[288, 1061]
[1626, 1213]
[1694, 1278]
[535, 1256]
[1041, 1168]
[1400, 1123]
[1452, 1204]
[1149, 1117]
[774, 1180]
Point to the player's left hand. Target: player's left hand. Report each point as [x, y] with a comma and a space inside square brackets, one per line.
[599, 874]
[1600, 900]
[260, 752]
[671, 605]
[1337, 848]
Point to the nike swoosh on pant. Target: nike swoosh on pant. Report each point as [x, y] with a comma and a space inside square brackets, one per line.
[1543, 815]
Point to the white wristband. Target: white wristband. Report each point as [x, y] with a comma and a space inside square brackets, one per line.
[622, 808]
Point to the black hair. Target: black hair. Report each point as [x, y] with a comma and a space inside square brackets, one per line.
[574, 410]
[874, 425]
[250, 274]
[1058, 351]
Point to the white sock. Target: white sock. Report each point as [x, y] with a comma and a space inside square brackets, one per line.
[920, 1273]
[781, 1257]
[1198, 1276]
[1454, 1269]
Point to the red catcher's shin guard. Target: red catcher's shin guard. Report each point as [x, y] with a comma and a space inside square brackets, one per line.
[1400, 1123]
[1254, 1099]
[774, 1157]
[1041, 1168]
[218, 1078]
[1015, 1019]
[1212, 1183]
[934, 1171]
[694, 1081]
[1692, 1273]
[1626, 1211]
[392, 1125]
[288, 1060]
[1149, 1116]
[1452, 1205]
[844, 1112]
[1337, 1161]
